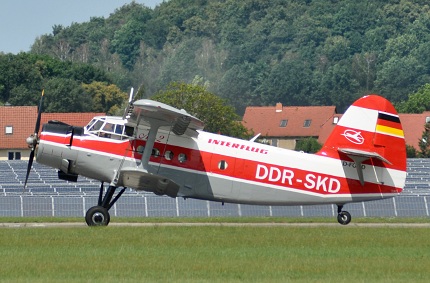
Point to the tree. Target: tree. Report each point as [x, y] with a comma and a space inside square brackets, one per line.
[16, 70]
[424, 143]
[105, 97]
[126, 40]
[212, 110]
[411, 152]
[308, 145]
[66, 95]
[255, 52]
[21, 96]
[417, 102]
[399, 76]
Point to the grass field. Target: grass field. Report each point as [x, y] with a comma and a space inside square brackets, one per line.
[215, 254]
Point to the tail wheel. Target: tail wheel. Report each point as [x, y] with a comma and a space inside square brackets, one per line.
[344, 217]
[97, 216]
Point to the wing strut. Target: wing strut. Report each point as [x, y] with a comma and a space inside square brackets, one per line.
[146, 155]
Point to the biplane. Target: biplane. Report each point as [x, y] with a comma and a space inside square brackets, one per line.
[160, 149]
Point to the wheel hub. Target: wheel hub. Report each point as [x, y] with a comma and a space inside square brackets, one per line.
[98, 218]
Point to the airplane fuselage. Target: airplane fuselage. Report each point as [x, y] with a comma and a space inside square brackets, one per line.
[221, 168]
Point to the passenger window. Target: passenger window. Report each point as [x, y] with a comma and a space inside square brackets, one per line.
[182, 157]
[222, 165]
[169, 155]
[155, 152]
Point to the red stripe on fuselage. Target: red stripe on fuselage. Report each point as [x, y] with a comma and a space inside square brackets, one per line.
[223, 165]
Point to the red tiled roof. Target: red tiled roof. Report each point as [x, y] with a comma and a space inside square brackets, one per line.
[413, 127]
[266, 120]
[22, 119]
[75, 119]
[327, 128]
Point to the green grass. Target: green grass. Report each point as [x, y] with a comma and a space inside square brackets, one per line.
[218, 219]
[215, 254]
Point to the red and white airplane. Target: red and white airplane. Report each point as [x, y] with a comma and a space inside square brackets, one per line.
[160, 149]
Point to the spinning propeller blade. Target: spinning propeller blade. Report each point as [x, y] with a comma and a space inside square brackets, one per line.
[32, 140]
[39, 114]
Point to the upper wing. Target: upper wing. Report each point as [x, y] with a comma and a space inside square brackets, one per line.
[148, 112]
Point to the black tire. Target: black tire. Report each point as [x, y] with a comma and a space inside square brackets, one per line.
[344, 217]
[97, 216]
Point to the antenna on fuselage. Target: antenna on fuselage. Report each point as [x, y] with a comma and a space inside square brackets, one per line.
[254, 138]
[129, 108]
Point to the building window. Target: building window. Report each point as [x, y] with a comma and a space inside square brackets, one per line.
[14, 155]
[283, 123]
[335, 120]
[307, 123]
[8, 130]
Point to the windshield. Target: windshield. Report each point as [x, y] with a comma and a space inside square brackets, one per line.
[107, 127]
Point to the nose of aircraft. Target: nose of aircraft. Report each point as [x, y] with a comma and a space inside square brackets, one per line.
[31, 141]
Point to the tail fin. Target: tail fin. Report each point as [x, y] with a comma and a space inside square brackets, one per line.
[369, 130]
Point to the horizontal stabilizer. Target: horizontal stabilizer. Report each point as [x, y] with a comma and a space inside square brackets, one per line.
[359, 156]
[361, 153]
[139, 179]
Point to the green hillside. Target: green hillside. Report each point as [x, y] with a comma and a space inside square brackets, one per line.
[255, 52]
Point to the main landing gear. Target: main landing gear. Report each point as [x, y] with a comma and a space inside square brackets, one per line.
[343, 217]
[99, 215]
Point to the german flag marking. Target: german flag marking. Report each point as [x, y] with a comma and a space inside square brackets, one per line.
[390, 131]
[388, 117]
[389, 124]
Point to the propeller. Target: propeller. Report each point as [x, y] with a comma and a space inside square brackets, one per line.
[33, 140]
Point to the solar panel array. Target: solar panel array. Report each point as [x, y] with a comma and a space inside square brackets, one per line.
[46, 195]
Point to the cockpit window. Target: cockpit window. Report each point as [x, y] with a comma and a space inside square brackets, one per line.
[119, 129]
[96, 126]
[107, 127]
[90, 124]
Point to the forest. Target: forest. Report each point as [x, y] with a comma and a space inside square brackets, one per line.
[248, 52]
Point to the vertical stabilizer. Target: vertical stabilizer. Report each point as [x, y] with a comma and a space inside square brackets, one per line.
[369, 132]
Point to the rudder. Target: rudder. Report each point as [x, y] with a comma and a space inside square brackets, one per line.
[369, 129]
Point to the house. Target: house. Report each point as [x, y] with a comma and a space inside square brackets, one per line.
[18, 122]
[413, 127]
[282, 126]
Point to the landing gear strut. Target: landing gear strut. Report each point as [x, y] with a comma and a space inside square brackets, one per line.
[99, 215]
[343, 217]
